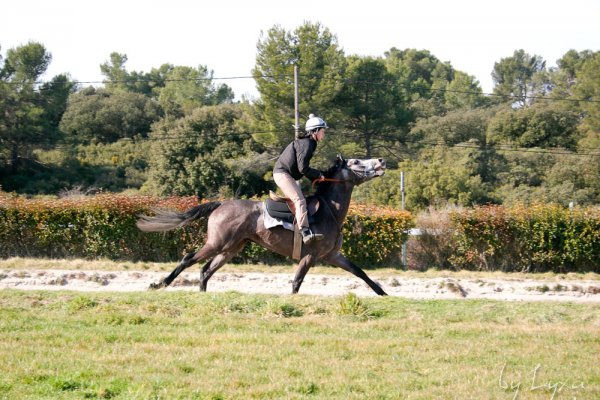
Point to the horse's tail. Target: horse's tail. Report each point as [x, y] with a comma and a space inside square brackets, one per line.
[166, 220]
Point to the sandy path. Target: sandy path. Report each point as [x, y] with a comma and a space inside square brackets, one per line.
[314, 284]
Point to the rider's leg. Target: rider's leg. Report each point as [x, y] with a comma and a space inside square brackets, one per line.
[290, 188]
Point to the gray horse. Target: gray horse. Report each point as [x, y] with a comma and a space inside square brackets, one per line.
[232, 224]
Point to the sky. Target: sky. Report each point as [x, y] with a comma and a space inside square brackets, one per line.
[470, 34]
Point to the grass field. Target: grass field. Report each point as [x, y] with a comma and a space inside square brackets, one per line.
[188, 345]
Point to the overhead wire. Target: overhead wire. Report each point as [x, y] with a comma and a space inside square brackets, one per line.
[355, 81]
[500, 147]
[503, 147]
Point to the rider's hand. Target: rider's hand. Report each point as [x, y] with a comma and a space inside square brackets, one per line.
[318, 180]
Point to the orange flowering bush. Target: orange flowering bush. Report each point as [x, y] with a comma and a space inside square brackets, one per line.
[539, 237]
[374, 235]
[99, 226]
[104, 226]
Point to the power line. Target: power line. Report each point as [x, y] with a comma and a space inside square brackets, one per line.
[501, 147]
[355, 81]
[508, 148]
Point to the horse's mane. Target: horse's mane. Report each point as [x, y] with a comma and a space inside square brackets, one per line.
[335, 167]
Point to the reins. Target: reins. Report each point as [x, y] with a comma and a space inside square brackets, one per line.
[319, 180]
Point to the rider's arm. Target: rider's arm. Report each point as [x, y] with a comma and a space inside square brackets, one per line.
[304, 154]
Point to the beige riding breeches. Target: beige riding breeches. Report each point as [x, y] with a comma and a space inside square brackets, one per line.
[290, 188]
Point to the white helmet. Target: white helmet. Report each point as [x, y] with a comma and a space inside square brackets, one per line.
[314, 123]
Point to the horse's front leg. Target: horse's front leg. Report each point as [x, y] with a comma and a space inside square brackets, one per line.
[303, 266]
[339, 260]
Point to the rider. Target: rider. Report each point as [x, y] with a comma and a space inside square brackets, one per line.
[293, 164]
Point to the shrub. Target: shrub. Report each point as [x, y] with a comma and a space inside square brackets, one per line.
[375, 235]
[536, 238]
[89, 227]
[434, 245]
[104, 226]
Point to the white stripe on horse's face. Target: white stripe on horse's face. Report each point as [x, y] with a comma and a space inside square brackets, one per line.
[366, 169]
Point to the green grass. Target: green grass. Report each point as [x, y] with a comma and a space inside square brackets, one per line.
[186, 345]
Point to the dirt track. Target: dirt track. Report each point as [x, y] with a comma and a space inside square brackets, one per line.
[314, 284]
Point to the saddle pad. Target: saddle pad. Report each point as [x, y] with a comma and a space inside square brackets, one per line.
[271, 222]
[279, 210]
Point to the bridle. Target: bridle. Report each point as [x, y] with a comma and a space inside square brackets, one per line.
[359, 174]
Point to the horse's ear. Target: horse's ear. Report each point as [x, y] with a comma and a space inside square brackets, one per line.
[340, 157]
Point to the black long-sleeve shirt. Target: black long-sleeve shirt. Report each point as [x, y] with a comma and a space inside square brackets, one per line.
[295, 159]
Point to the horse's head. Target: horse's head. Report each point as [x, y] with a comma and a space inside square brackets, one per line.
[357, 170]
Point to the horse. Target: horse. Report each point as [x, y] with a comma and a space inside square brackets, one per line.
[234, 223]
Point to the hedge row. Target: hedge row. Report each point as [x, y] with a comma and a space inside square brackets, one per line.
[104, 226]
[536, 238]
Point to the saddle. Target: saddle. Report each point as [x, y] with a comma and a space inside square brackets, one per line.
[283, 208]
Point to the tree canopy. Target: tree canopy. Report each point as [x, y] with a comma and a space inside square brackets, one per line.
[174, 130]
[30, 112]
[514, 77]
[321, 65]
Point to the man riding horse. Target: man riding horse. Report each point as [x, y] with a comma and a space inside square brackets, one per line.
[233, 223]
[293, 164]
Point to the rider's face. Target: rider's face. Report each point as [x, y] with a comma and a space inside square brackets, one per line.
[320, 134]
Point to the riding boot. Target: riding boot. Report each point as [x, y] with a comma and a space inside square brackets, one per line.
[308, 236]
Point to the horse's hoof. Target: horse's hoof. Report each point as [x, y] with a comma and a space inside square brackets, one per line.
[155, 286]
[381, 292]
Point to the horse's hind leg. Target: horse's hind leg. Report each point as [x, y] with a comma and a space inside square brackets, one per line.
[210, 268]
[188, 260]
[215, 264]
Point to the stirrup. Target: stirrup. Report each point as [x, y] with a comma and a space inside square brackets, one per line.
[308, 236]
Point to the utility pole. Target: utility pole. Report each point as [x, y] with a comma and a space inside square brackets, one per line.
[296, 110]
[402, 187]
[403, 243]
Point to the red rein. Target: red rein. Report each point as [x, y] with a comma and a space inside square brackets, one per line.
[319, 180]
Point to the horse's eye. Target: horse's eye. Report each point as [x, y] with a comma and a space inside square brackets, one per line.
[356, 162]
